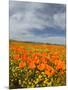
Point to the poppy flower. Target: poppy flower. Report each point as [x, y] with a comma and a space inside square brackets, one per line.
[16, 57]
[47, 67]
[36, 60]
[41, 66]
[22, 64]
[48, 73]
[44, 54]
[32, 65]
[52, 72]
[24, 57]
[60, 65]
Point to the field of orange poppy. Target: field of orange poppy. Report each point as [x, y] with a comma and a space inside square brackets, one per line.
[36, 65]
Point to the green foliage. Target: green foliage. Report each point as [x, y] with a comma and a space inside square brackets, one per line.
[23, 78]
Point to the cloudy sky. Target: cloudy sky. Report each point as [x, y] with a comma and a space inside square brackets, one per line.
[38, 22]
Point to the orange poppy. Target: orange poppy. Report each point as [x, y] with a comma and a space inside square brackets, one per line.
[24, 57]
[52, 72]
[32, 65]
[41, 66]
[16, 57]
[44, 54]
[60, 65]
[47, 67]
[36, 60]
[22, 64]
[42, 60]
[48, 73]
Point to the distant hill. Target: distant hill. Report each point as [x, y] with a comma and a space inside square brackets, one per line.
[35, 42]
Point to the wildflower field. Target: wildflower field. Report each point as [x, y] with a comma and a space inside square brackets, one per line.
[36, 65]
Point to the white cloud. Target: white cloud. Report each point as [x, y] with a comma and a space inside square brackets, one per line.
[59, 20]
[58, 40]
[52, 39]
[26, 17]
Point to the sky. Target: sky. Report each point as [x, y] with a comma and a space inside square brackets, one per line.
[37, 22]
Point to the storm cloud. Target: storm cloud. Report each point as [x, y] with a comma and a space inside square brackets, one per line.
[38, 22]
